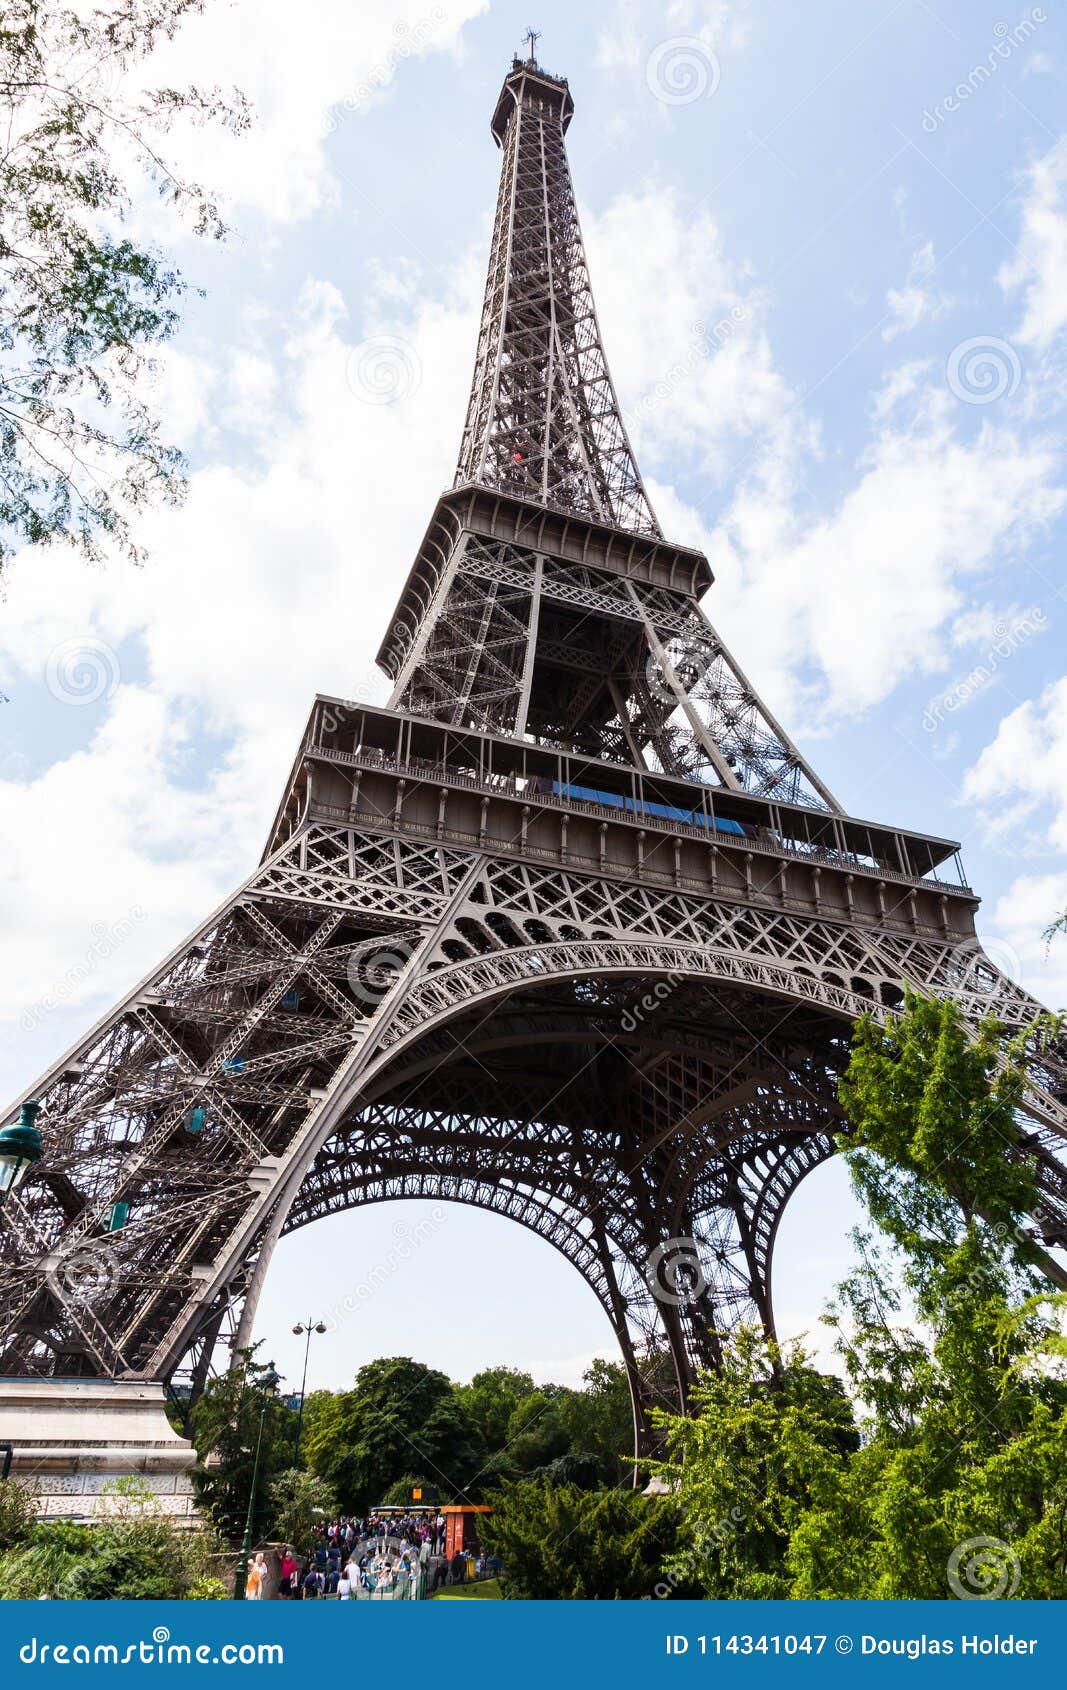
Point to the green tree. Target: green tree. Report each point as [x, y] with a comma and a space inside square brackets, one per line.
[317, 1404]
[560, 1542]
[767, 1434]
[82, 302]
[398, 1413]
[490, 1400]
[933, 1137]
[536, 1433]
[599, 1419]
[225, 1430]
[960, 1483]
[578, 1467]
[298, 1503]
[42, 1563]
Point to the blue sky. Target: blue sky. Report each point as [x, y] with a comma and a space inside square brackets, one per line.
[829, 250]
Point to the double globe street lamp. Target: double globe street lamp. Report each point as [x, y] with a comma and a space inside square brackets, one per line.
[309, 1327]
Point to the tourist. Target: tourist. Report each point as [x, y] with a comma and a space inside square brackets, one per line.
[344, 1587]
[287, 1583]
[253, 1582]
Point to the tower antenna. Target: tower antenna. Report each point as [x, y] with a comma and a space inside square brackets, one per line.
[532, 37]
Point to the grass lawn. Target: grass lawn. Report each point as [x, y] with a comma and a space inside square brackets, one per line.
[487, 1590]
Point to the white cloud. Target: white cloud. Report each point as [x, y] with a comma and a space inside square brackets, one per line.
[1014, 934]
[863, 594]
[624, 42]
[829, 608]
[903, 383]
[917, 301]
[1020, 779]
[1038, 271]
[304, 70]
[686, 337]
[109, 855]
[720, 22]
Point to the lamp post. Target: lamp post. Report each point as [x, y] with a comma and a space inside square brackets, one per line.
[270, 1380]
[20, 1148]
[309, 1327]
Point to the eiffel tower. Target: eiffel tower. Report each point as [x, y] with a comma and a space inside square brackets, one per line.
[570, 930]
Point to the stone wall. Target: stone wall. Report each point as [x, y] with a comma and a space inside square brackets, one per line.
[73, 1437]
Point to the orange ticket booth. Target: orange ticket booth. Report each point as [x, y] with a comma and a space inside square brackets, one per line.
[461, 1527]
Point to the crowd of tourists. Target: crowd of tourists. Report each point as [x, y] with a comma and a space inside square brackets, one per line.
[383, 1556]
[376, 1555]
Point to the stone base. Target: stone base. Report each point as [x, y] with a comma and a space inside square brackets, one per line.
[73, 1437]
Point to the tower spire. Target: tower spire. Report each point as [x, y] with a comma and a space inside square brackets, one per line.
[543, 422]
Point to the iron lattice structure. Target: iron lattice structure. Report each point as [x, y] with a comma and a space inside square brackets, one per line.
[570, 931]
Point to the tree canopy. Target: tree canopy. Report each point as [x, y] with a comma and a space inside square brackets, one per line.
[398, 1415]
[958, 1485]
[560, 1541]
[83, 299]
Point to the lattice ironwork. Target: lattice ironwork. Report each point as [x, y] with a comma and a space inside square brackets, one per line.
[519, 642]
[543, 421]
[518, 968]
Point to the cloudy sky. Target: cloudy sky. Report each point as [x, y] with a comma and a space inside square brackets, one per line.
[829, 250]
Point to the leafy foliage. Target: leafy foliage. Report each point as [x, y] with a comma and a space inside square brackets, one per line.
[365, 1440]
[135, 1553]
[42, 1563]
[82, 302]
[766, 1434]
[599, 1420]
[225, 1430]
[934, 1142]
[299, 1502]
[527, 1429]
[491, 1399]
[17, 1501]
[964, 1430]
[560, 1542]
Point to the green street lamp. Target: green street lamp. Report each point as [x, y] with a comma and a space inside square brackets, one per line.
[20, 1148]
[270, 1380]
